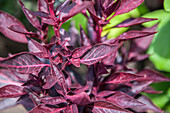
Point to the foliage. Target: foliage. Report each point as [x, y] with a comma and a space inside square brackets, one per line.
[78, 72]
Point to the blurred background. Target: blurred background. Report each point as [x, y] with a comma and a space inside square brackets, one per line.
[159, 48]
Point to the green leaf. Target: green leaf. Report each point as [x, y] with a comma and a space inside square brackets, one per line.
[162, 16]
[167, 5]
[160, 49]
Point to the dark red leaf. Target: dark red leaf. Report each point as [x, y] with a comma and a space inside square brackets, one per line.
[123, 100]
[111, 7]
[97, 53]
[6, 20]
[10, 91]
[23, 63]
[73, 9]
[134, 34]
[100, 69]
[41, 109]
[136, 21]
[84, 39]
[121, 77]
[49, 21]
[71, 109]
[109, 60]
[36, 48]
[30, 16]
[149, 106]
[106, 107]
[19, 29]
[127, 5]
[78, 52]
[153, 76]
[53, 100]
[80, 98]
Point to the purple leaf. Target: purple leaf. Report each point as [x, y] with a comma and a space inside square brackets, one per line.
[41, 14]
[97, 53]
[53, 100]
[23, 63]
[41, 109]
[73, 9]
[121, 77]
[127, 5]
[138, 87]
[134, 34]
[79, 99]
[30, 16]
[6, 20]
[149, 106]
[123, 100]
[151, 91]
[71, 109]
[37, 48]
[136, 21]
[106, 107]
[78, 52]
[10, 91]
[19, 29]
[50, 81]
[105, 93]
[109, 60]
[153, 76]
[84, 39]
[62, 6]
[49, 21]
[100, 69]
[42, 6]
[141, 44]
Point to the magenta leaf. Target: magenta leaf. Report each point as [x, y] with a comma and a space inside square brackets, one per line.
[42, 6]
[152, 75]
[6, 20]
[37, 48]
[121, 77]
[80, 98]
[30, 16]
[136, 21]
[97, 53]
[50, 81]
[105, 93]
[106, 107]
[73, 9]
[123, 100]
[151, 90]
[71, 109]
[41, 14]
[53, 100]
[10, 91]
[19, 29]
[149, 106]
[78, 52]
[134, 34]
[41, 109]
[23, 63]
[127, 5]
[75, 62]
